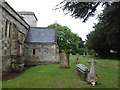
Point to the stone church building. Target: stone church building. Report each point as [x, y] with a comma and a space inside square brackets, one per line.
[22, 43]
[41, 43]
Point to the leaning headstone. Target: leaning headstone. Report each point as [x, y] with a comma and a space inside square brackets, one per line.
[63, 60]
[92, 77]
[81, 71]
[77, 59]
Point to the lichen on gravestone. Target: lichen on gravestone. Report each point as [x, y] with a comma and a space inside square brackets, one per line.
[63, 60]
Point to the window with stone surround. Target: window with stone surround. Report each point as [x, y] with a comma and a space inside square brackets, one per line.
[6, 27]
[33, 51]
[10, 27]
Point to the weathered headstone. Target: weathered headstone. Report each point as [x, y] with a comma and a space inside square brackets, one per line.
[63, 60]
[77, 58]
[92, 77]
[84, 54]
[81, 71]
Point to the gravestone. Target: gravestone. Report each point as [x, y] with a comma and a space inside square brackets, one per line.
[81, 71]
[63, 60]
[84, 54]
[77, 59]
[92, 77]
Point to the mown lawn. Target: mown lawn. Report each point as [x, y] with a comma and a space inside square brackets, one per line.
[51, 76]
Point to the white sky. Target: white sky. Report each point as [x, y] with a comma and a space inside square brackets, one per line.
[47, 16]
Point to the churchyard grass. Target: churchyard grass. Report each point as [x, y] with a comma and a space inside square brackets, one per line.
[51, 76]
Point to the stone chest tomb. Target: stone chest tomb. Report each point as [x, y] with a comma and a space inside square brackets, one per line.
[81, 71]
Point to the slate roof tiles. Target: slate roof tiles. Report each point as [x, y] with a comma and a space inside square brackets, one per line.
[41, 35]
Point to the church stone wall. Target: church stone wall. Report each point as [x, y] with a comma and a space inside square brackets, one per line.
[14, 53]
[0, 44]
[30, 19]
[12, 35]
[42, 54]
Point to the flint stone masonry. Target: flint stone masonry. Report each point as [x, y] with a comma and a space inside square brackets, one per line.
[44, 54]
[0, 45]
[13, 30]
[42, 47]
[21, 45]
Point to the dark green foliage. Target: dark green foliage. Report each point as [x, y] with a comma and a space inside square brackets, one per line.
[81, 44]
[82, 10]
[106, 35]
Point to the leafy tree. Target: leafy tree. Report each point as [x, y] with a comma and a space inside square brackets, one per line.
[81, 44]
[66, 40]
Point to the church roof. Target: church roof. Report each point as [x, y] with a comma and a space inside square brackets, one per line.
[41, 35]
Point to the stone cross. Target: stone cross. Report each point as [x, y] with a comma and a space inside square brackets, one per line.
[92, 65]
[92, 77]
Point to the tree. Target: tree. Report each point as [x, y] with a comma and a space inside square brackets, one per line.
[81, 44]
[66, 40]
[106, 35]
[82, 10]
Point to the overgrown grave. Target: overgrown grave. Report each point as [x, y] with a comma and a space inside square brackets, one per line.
[86, 74]
[92, 77]
[81, 71]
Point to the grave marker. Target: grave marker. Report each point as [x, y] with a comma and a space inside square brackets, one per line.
[63, 60]
[92, 77]
[77, 58]
[81, 71]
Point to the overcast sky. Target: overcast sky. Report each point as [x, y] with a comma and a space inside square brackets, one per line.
[47, 16]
